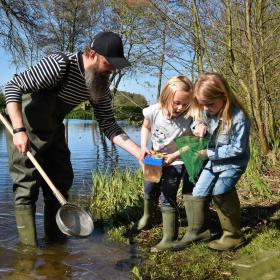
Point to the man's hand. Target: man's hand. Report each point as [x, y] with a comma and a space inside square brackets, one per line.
[21, 141]
[144, 151]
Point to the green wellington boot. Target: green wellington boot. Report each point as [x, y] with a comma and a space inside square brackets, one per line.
[197, 211]
[25, 220]
[169, 228]
[146, 220]
[228, 209]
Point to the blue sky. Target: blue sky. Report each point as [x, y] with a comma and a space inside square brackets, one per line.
[136, 85]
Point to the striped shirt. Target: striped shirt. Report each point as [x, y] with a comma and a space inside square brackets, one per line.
[49, 73]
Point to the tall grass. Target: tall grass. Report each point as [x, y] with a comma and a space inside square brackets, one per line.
[253, 177]
[116, 197]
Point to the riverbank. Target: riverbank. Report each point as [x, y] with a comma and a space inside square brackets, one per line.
[260, 210]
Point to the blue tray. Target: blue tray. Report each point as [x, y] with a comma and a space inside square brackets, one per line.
[150, 160]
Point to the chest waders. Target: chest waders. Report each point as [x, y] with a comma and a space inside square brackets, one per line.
[43, 115]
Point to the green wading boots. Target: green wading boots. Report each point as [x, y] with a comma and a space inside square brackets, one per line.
[228, 209]
[145, 222]
[52, 232]
[169, 228]
[197, 211]
[26, 227]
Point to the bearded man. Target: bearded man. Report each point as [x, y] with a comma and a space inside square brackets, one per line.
[37, 101]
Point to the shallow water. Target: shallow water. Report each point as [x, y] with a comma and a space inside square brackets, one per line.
[89, 258]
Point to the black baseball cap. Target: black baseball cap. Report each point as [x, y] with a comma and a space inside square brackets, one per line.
[110, 45]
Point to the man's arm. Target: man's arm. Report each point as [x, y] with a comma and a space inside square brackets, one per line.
[46, 74]
[20, 139]
[123, 141]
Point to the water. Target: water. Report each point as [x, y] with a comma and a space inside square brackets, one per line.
[90, 258]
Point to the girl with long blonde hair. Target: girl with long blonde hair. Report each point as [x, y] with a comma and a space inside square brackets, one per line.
[219, 114]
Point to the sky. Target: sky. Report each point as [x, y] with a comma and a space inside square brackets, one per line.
[135, 85]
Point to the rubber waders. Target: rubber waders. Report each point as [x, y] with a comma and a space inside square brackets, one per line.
[146, 220]
[197, 211]
[228, 209]
[25, 220]
[170, 229]
[52, 232]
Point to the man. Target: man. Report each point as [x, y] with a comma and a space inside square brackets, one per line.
[37, 101]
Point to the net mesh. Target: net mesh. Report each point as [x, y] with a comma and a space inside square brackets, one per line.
[191, 161]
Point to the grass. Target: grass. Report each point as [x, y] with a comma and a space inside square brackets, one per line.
[116, 197]
[117, 203]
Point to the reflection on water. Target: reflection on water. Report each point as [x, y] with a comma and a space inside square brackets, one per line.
[90, 258]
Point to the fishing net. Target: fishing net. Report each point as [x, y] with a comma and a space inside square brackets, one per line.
[192, 162]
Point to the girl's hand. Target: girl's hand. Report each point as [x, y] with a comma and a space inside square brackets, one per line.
[200, 130]
[202, 154]
[169, 158]
[143, 153]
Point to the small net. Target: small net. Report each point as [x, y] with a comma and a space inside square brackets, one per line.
[192, 162]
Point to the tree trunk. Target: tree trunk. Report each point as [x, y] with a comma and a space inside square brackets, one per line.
[197, 45]
[161, 62]
[254, 79]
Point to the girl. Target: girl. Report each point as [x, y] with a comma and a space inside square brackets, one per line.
[228, 154]
[165, 121]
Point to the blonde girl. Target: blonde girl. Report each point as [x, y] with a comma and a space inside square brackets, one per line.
[228, 154]
[163, 122]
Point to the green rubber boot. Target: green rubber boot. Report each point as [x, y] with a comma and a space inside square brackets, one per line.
[228, 209]
[169, 227]
[146, 220]
[52, 232]
[197, 211]
[26, 227]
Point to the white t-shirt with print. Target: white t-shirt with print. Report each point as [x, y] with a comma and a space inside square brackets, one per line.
[164, 130]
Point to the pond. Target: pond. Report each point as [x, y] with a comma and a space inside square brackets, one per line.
[90, 258]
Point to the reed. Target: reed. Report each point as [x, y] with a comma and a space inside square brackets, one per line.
[254, 179]
[116, 196]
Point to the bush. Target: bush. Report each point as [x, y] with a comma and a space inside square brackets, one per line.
[2, 102]
[130, 113]
[80, 114]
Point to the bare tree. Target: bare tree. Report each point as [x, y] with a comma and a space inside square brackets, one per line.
[18, 23]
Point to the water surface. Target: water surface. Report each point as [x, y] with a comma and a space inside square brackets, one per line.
[90, 258]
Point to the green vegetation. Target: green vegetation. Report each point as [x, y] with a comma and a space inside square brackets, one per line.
[127, 106]
[117, 203]
[115, 196]
[2, 102]
[80, 114]
[162, 39]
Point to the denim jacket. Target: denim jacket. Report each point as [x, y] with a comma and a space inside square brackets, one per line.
[229, 150]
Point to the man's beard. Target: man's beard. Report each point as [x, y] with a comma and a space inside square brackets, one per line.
[97, 84]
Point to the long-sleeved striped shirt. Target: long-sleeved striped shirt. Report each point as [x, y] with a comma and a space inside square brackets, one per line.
[49, 73]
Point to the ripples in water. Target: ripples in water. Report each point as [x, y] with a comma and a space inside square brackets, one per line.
[90, 258]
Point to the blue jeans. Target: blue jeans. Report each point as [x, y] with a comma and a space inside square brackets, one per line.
[210, 183]
[166, 190]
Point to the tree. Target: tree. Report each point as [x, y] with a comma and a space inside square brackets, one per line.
[68, 24]
[2, 102]
[18, 25]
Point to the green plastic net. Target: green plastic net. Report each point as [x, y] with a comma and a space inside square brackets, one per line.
[192, 162]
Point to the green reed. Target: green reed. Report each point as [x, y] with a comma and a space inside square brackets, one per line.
[116, 196]
[253, 179]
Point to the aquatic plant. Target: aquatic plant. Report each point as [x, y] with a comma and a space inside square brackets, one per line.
[116, 197]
